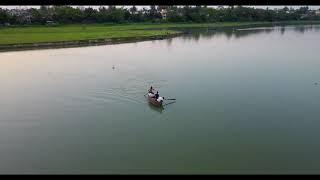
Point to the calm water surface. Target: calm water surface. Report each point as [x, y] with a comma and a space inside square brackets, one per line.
[247, 102]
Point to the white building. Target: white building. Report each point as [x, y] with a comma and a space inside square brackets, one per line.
[164, 13]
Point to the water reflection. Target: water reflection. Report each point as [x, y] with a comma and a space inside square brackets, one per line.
[196, 34]
[303, 29]
[282, 30]
[169, 41]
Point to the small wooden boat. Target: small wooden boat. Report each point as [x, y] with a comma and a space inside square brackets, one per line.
[153, 101]
[156, 108]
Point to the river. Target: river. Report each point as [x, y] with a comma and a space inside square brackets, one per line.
[247, 102]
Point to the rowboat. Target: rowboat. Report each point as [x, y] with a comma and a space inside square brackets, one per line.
[154, 102]
[156, 108]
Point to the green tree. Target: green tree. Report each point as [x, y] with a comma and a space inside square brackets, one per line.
[3, 16]
[36, 17]
[174, 14]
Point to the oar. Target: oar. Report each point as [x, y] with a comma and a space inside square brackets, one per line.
[172, 102]
[169, 99]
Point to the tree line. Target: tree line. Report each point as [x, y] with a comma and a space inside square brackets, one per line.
[113, 14]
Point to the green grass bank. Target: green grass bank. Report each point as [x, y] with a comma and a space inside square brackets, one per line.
[88, 34]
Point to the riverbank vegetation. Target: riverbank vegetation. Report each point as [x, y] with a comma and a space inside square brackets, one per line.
[155, 14]
[76, 32]
[66, 25]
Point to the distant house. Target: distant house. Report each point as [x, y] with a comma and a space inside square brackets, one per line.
[14, 12]
[23, 14]
[309, 13]
[164, 13]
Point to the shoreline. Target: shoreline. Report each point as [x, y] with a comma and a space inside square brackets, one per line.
[122, 40]
[82, 43]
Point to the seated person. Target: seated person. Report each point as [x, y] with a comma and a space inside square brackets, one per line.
[160, 99]
[156, 95]
[150, 90]
[151, 95]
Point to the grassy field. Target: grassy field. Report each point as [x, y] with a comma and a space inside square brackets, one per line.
[39, 34]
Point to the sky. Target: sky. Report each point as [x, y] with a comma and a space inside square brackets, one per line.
[140, 7]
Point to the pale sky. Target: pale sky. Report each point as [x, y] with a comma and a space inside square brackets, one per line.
[140, 7]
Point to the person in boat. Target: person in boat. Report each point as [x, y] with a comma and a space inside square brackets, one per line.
[160, 99]
[156, 95]
[150, 92]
